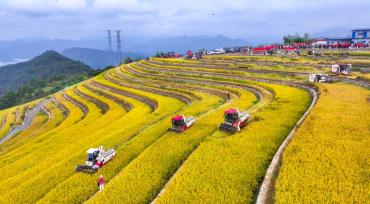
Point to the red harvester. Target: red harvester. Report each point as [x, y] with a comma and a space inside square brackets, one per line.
[234, 120]
[181, 123]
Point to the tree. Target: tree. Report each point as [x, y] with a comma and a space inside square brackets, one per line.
[289, 39]
[128, 60]
[10, 99]
[158, 54]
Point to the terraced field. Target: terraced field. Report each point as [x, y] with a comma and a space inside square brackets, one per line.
[129, 108]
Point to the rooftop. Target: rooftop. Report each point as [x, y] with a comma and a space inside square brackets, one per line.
[339, 38]
[360, 29]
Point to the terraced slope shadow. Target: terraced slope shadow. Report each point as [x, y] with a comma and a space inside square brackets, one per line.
[30, 115]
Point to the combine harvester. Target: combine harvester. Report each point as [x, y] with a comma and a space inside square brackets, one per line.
[234, 120]
[96, 158]
[180, 123]
[315, 78]
[341, 68]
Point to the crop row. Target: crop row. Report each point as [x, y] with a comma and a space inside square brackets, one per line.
[221, 71]
[129, 108]
[74, 117]
[87, 126]
[309, 61]
[239, 65]
[144, 177]
[179, 88]
[162, 89]
[147, 133]
[36, 128]
[110, 128]
[326, 162]
[299, 112]
[7, 122]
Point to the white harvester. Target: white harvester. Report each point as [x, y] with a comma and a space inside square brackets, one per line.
[341, 68]
[315, 78]
[96, 158]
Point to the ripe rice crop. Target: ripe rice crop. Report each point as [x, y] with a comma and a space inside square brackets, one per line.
[41, 124]
[158, 161]
[129, 108]
[227, 169]
[327, 162]
[9, 117]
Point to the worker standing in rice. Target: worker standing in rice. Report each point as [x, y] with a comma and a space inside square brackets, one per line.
[101, 182]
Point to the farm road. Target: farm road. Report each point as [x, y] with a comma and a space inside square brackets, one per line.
[30, 115]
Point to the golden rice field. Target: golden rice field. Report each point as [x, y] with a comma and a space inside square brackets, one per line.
[328, 159]
[129, 108]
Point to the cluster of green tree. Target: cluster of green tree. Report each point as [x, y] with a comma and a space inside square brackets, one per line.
[38, 88]
[39, 77]
[289, 39]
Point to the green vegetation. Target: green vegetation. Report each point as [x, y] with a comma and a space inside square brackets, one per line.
[39, 77]
[289, 39]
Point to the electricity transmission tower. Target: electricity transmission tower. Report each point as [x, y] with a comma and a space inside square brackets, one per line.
[119, 51]
[110, 49]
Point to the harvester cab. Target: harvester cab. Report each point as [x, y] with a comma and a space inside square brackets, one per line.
[315, 78]
[234, 120]
[96, 158]
[181, 123]
[341, 68]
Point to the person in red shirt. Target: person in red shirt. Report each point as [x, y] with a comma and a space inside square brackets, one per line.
[101, 182]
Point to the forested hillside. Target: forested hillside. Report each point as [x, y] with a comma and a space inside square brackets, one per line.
[41, 76]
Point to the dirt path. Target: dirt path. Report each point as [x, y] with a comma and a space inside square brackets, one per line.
[29, 116]
[159, 84]
[153, 104]
[125, 105]
[265, 194]
[184, 98]
[78, 104]
[104, 107]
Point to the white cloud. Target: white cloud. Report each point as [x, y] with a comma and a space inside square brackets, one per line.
[176, 17]
[45, 6]
[131, 6]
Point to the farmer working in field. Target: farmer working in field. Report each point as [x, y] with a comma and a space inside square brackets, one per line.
[101, 182]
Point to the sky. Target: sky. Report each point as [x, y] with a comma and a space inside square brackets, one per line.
[74, 19]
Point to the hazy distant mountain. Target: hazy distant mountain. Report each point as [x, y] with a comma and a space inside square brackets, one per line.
[98, 58]
[29, 48]
[45, 67]
[184, 43]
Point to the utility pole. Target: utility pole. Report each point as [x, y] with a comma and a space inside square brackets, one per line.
[119, 51]
[110, 49]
